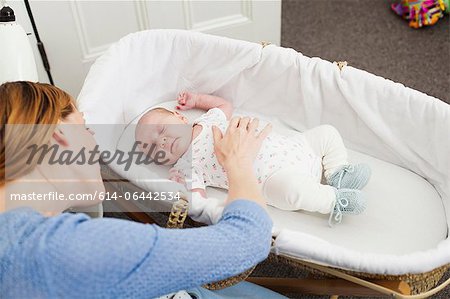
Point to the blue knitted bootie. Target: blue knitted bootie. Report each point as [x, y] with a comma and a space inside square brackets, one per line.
[348, 202]
[350, 177]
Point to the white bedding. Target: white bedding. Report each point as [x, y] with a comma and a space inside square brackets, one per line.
[404, 229]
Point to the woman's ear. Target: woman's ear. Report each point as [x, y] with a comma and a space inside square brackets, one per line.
[59, 138]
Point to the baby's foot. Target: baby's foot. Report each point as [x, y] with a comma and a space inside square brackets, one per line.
[186, 100]
[350, 177]
[348, 202]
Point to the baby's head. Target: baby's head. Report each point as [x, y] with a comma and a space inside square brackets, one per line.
[162, 130]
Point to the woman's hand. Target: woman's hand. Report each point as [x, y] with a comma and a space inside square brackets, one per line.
[241, 142]
[236, 152]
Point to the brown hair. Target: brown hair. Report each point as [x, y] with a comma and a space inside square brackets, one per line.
[161, 110]
[23, 104]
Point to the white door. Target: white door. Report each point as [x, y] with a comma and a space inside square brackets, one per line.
[75, 33]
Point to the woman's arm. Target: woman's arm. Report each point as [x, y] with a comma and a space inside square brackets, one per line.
[70, 256]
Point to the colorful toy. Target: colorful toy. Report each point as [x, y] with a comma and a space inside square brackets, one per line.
[421, 12]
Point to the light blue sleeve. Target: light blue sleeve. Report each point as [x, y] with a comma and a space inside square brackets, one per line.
[111, 258]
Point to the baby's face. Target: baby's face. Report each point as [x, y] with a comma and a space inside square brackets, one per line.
[168, 131]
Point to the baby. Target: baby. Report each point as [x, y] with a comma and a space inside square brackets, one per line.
[289, 169]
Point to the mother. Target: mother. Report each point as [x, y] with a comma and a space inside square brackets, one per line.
[70, 255]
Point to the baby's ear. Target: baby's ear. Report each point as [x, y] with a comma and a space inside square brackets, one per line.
[181, 116]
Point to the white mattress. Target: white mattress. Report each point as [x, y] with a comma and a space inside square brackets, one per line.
[404, 214]
[402, 207]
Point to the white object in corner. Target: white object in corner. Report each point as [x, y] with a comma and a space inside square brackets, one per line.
[16, 55]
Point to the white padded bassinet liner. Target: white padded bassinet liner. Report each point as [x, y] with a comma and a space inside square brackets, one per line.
[402, 133]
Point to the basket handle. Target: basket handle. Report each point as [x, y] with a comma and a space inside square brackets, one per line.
[178, 213]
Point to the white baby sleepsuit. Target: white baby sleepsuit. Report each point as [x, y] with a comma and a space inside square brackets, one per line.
[289, 169]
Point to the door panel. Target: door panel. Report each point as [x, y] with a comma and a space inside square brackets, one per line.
[75, 33]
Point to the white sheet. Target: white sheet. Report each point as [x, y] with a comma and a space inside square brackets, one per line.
[376, 117]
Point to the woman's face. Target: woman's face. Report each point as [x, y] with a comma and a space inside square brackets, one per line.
[82, 175]
[73, 136]
[73, 127]
[80, 184]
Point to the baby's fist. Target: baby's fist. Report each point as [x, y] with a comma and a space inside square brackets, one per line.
[186, 100]
[176, 176]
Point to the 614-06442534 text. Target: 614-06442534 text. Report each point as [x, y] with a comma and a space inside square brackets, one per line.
[162, 196]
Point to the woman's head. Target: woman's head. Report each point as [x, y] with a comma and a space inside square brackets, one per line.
[22, 105]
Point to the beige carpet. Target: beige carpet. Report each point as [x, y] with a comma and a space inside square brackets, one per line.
[369, 36]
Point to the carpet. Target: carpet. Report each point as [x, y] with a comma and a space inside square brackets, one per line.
[369, 36]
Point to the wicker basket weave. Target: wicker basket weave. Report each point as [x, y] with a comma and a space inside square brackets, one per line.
[418, 283]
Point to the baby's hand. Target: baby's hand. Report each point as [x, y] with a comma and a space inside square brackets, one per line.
[186, 100]
[176, 176]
